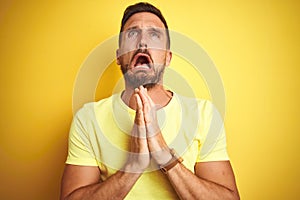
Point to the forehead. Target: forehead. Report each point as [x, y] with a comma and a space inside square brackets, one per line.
[143, 20]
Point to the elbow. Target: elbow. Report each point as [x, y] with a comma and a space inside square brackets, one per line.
[65, 197]
[235, 195]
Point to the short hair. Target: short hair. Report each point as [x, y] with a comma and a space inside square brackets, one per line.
[143, 7]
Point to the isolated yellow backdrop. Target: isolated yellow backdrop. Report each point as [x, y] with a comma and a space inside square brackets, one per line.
[254, 44]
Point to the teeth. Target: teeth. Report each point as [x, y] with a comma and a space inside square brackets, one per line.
[142, 66]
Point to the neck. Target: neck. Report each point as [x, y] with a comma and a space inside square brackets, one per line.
[159, 95]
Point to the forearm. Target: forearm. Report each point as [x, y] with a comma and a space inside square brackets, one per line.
[189, 186]
[115, 187]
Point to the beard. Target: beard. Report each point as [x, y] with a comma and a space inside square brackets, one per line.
[142, 77]
[139, 78]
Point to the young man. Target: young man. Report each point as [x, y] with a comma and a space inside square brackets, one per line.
[121, 148]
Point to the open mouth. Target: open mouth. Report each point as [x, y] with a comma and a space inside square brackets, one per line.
[142, 60]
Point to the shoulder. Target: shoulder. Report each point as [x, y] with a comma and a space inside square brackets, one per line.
[88, 111]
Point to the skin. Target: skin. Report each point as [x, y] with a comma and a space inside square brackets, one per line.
[211, 180]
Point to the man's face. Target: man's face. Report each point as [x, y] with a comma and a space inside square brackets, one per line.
[143, 52]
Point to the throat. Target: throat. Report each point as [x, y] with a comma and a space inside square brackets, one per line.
[160, 96]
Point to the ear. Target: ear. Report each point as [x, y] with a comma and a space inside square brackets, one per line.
[118, 56]
[168, 57]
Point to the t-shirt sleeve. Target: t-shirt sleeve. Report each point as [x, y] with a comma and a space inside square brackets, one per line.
[79, 149]
[212, 135]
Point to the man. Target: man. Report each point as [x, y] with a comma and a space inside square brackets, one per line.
[120, 148]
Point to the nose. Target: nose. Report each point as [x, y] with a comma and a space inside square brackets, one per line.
[142, 44]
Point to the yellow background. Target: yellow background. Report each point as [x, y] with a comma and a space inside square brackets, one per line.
[254, 44]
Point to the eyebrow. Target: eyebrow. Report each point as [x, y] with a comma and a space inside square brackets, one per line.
[132, 28]
[156, 29]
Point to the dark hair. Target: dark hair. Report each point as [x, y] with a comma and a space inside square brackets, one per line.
[144, 7]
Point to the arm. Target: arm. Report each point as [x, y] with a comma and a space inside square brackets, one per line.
[212, 180]
[83, 182]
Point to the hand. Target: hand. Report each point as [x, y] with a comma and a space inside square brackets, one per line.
[158, 147]
[149, 110]
[139, 156]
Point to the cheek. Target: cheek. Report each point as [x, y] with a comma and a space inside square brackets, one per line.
[159, 57]
[125, 58]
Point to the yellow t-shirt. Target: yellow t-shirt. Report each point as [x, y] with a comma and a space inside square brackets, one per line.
[100, 136]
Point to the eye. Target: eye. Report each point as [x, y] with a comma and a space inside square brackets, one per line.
[132, 34]
[155, 35]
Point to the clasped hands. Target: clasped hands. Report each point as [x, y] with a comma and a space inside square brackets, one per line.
[147, 141]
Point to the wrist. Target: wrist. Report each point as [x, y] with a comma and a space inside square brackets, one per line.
[172, 162]
[162, 156]
[131, 167]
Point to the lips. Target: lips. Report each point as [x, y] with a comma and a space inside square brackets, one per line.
[141, 61]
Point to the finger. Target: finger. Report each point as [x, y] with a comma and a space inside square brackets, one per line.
[152, 130]
[145, 92]
[139, 132]
[149, 107]
[139, 116]
[142, 94]
[145, 99]
[146, 106]
[139, 104]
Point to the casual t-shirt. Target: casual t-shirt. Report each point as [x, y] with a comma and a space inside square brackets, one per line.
[100, 136]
